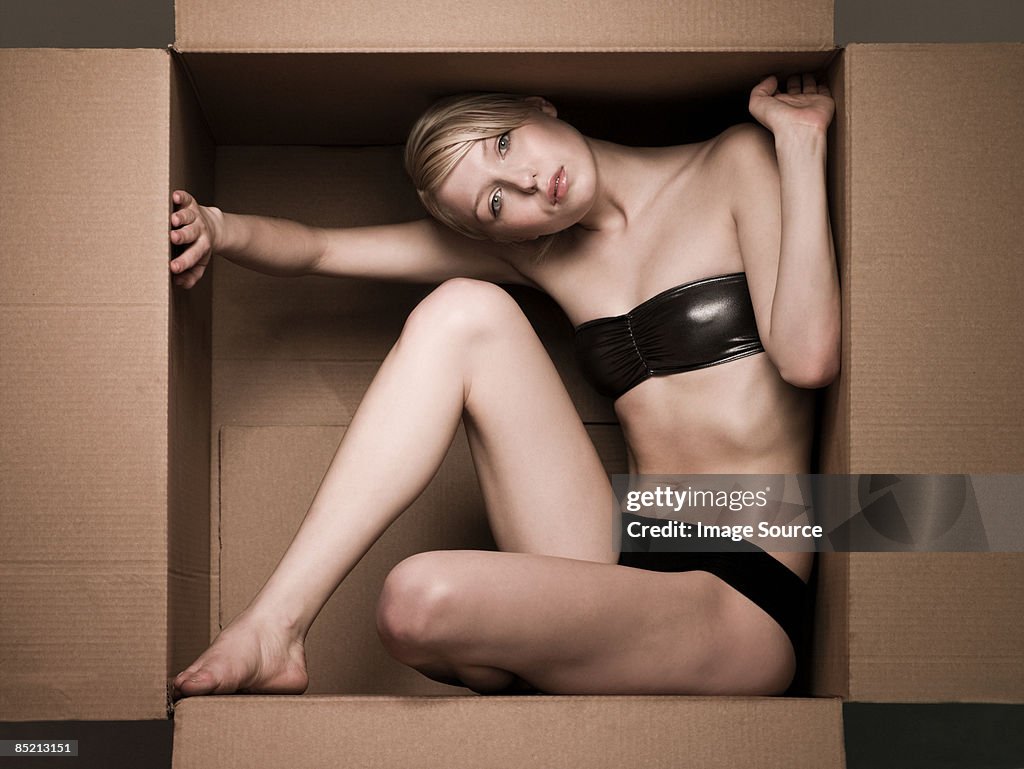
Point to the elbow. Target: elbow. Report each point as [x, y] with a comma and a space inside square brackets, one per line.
[813, 370]
[318, 251]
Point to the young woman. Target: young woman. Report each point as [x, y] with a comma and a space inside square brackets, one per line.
[703, 284]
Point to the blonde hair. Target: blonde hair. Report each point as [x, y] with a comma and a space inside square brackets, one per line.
[446, 132]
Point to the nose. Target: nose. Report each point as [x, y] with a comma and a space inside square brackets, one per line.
[523, 179]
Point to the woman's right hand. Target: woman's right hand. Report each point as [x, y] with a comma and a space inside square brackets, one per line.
[197, 225]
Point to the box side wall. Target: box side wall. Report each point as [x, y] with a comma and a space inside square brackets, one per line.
[389, 25]
[191, 169]
[835, 401]
[935, 192]
[83, 384]
[511, 732]
[829, 655]
[830, 651]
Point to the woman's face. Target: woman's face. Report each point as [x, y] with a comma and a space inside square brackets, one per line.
[534, 180]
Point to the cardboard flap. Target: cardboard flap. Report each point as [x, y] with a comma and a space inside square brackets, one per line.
[83, 157]
[514, 732]
[533, 26]
[83, 384]
[936, 627]
[934, 202]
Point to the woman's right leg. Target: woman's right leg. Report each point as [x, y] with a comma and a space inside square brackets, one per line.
[468, 351]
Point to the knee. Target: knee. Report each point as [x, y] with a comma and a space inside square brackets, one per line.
[414, 609]
[461, 310]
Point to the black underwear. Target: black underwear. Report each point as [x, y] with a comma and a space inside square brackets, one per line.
[685, 328]
[743, 565]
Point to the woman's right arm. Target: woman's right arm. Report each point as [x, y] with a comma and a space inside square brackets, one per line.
[419, 251]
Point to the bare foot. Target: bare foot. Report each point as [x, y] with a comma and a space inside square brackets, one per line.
[249, 657]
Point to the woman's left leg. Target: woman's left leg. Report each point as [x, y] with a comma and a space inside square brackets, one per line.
[568, 626]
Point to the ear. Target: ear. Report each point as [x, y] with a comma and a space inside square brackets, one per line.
[539, 102]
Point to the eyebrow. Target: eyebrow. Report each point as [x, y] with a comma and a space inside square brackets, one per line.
[483, 190]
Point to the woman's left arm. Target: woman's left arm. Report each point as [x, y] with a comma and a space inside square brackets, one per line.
[781, 213]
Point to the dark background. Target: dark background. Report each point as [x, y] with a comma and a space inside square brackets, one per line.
[945, 736]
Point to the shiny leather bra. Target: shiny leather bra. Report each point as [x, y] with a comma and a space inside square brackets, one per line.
[689, 327]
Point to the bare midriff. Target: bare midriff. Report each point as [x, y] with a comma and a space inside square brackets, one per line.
[739, 417]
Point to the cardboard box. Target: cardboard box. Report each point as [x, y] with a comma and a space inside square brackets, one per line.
[123, 401]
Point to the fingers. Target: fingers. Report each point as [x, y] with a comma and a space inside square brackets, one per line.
[197, 254]
[182, 198]
[766, 87]
[805, 83]
[187, 228]
[184, 216]
[191, 277]
[187, 233]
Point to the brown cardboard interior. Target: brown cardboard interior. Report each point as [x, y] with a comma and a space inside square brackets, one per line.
[513, 732]
[291, 360]
[188, 414]
[304, 356]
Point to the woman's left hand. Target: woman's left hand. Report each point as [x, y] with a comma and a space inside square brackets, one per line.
[805, 104]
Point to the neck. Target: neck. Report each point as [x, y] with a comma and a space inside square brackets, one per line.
[626, 177]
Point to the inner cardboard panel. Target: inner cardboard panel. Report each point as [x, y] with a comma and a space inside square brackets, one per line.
[360, 99]
[318, 138]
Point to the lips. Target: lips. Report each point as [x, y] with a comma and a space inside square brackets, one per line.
[558, 186]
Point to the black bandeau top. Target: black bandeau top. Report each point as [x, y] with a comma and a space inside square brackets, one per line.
[688, 327]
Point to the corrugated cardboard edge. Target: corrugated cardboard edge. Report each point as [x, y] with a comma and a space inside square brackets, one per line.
[185, 50]
[830, 642]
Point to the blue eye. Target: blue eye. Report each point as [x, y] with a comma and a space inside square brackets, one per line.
[495, 203]
[503, 141]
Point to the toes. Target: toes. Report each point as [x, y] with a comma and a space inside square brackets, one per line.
[185, 674]
[199, 681]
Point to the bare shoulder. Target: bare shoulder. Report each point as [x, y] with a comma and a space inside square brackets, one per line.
[744, 148]
[741, 163]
